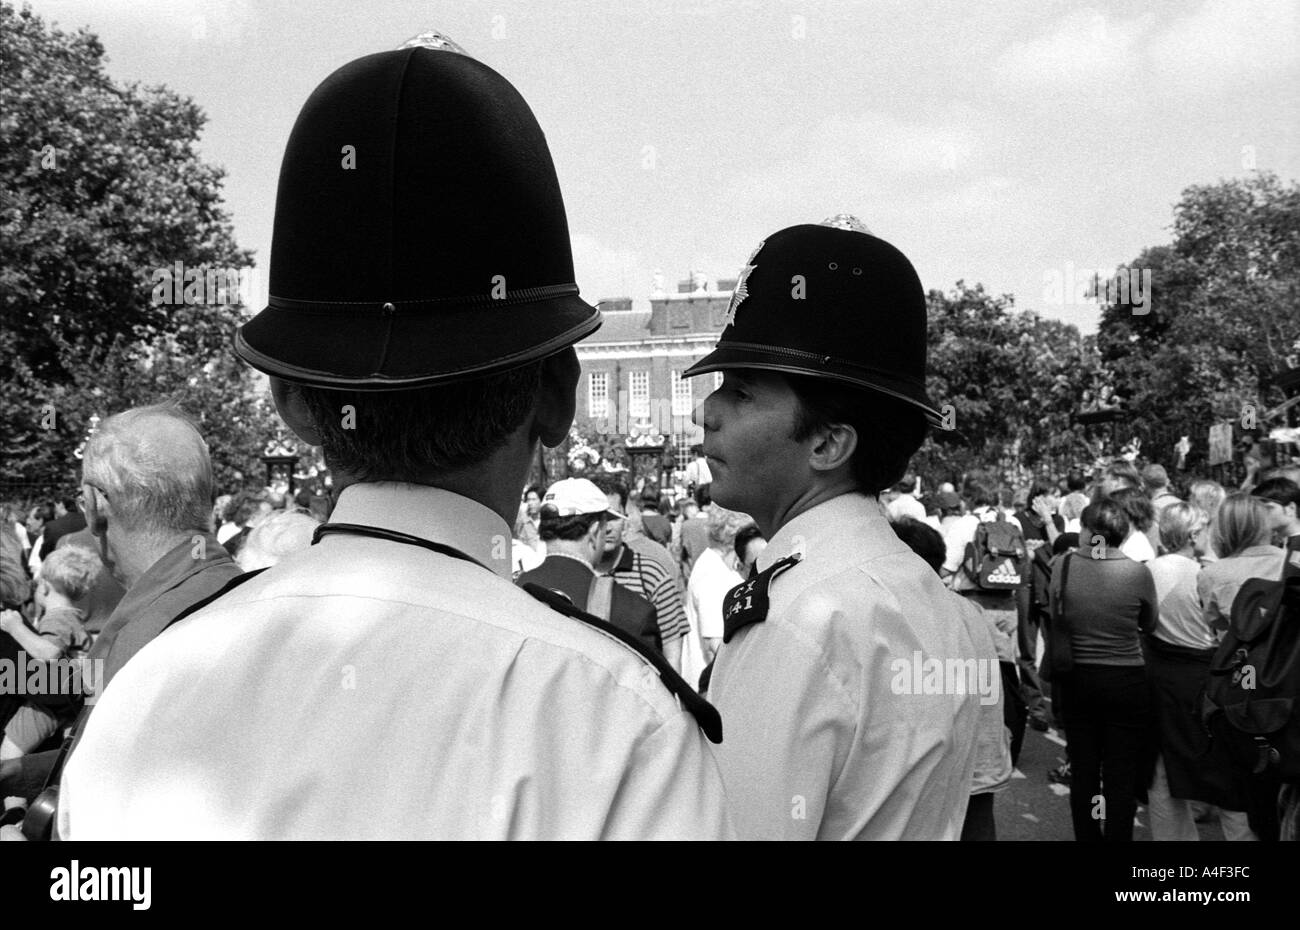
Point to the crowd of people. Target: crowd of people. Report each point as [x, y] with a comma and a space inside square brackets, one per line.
[1129, 625]
[1123, 590]
[1126, 593]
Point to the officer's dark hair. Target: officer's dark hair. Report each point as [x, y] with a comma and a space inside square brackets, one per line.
[1076, 480]
[553, 526]
[889, 430]
[744, 536]
[1105, 518]
[704, 495]
[406, 435]
[1279, 490]
[608, 484]
[1137, 507]
[922, 539]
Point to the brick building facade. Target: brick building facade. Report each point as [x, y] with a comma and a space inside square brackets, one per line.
[631, 367]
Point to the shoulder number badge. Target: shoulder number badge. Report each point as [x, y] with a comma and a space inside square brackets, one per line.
[748, 602]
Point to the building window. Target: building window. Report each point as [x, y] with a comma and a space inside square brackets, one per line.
[639, 394]
[682, 452]
[598, 394]
[682, 401]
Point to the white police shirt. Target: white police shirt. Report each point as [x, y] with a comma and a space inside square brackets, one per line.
[368, 689]
[829, 733]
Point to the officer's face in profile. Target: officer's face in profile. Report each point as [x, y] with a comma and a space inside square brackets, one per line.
[749, 442]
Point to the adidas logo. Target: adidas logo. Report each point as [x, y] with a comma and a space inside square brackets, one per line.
[1005, 573]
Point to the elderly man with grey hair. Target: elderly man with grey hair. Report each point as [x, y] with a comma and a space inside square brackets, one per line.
[147, 486]
[147, 495]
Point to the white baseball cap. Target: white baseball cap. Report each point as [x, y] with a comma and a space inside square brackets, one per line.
[574, 497]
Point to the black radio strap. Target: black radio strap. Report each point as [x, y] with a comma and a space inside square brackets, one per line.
[705, 714]
[378, 532]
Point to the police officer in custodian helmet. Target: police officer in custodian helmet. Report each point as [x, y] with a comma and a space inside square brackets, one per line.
[822, 403]
[391, 681]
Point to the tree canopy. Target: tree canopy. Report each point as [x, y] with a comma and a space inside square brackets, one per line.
[1225, 311]
[101, 186]
[1011, 382]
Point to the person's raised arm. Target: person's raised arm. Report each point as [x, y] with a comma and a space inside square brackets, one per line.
[37, 646]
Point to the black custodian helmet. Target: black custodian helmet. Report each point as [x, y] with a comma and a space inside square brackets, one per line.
[829, 301]
[420, 236]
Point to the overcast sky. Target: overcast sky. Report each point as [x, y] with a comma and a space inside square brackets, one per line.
[992, 142]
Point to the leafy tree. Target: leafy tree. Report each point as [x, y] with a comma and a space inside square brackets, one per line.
[101, 187]
[1223, 315]
[1011, 380]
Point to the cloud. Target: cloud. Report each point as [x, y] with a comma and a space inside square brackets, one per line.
[1227, 41]
[605, 272]
[1214, 47]
[855, 164]
[203, 22]
[1086, 51]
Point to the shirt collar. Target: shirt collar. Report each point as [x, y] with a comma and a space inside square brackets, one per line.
[176, 565]
[431, 513]
[852, 527]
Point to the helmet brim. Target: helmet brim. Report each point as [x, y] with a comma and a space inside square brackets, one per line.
[726, 357]
[364, 348]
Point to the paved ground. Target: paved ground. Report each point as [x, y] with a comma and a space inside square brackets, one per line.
[1033, 808]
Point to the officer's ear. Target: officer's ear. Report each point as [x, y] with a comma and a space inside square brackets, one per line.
[557, 398]
[289, 404]
[833, 447]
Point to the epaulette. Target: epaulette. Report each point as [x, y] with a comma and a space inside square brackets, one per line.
[748, 601]
[705, 714]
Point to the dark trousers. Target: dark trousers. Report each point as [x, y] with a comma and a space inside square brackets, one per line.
[1107, 725]
[1027, 622]
[1262, 812]
[979, 826]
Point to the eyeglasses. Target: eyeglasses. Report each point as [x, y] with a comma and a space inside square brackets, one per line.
[81, 495]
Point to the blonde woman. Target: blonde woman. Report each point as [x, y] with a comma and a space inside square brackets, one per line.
[1178, 654]
[1241, 534]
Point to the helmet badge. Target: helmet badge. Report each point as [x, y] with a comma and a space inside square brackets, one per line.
[742, 291]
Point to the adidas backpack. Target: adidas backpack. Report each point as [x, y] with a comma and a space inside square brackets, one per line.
[996, 559]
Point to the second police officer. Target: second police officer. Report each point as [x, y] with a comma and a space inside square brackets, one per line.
[825, 677]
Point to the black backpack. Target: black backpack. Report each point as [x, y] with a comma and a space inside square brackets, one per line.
[1251, 701]
[995, 560]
